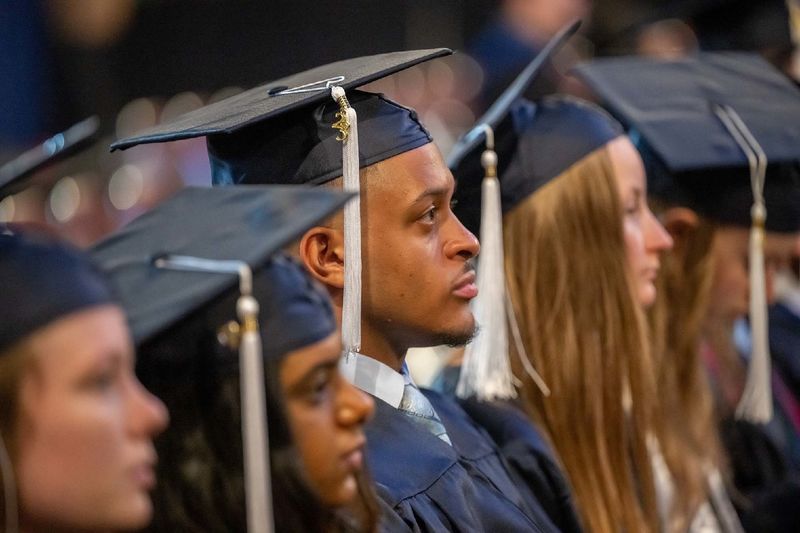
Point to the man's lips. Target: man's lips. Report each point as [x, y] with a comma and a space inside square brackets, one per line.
[465, 287]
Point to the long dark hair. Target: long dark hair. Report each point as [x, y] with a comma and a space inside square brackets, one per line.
[200, 473]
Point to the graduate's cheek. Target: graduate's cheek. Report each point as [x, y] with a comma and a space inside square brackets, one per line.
[319, 443]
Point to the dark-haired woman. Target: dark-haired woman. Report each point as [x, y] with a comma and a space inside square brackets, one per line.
[315, 416]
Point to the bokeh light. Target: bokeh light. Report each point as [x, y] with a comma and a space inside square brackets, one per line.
[64, 199]
[125, 187]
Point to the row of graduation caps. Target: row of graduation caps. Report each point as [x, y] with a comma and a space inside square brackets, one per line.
[718, 131]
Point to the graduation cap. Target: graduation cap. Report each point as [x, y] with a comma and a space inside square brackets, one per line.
[14, 174]
[308, 128]
[671, 109]
[515, 148]
[178, 259]
[720, 133]
[43, 280]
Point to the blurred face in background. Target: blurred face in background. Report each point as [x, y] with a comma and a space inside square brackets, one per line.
[730, 292]
[84, 456]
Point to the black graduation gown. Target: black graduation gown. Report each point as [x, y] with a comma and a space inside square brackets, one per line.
[435, 487]
[784, 342]
[530, 458]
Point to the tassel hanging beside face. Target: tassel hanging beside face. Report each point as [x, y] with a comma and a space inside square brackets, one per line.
[254, 429]
[347, 124]
[756, 402]
[485, 370]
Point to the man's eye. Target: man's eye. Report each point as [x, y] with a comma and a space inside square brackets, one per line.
[430, 215]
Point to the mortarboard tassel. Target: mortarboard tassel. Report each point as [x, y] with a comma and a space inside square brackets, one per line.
[486, 371]
[756, 402]
[254, 428]
[255, 439]
[347, 124]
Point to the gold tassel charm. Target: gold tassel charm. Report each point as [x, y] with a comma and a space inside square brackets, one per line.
[342, 124]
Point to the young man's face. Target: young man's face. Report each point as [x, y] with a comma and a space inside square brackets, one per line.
[417, 274]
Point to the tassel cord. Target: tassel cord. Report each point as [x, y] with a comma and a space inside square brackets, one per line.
[756, 402]
[351, 312]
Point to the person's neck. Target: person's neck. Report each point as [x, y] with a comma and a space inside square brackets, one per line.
[376, 344]
[380, 348]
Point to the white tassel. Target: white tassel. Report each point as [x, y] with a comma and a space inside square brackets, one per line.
[485, 370]
[756, 402]
[351, 308]
[255, 437]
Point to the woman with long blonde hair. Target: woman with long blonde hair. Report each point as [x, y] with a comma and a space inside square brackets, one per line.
[581, 257]
[717, 133]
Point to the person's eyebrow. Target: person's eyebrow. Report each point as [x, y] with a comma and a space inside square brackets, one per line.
[302, 381]
[443, 188]
[431, 192]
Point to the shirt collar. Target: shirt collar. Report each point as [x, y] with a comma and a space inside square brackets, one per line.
[375, 378]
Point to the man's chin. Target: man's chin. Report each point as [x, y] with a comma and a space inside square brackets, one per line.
[455, 337]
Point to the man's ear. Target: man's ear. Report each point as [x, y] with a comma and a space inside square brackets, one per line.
[322, 252]
[680, 222]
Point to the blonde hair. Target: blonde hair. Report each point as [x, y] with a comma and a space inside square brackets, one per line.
[677, 321]
[584, 330]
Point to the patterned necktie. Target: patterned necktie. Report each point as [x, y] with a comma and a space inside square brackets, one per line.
[417, 407]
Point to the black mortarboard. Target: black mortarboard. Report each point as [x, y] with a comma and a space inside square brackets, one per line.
[58, 147]
[43, 281]
[245, 224]
[281, 132]
[670, 108]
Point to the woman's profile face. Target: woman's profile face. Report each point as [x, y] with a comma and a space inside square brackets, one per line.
[326, 415]
[645, 237]
[85, 458]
